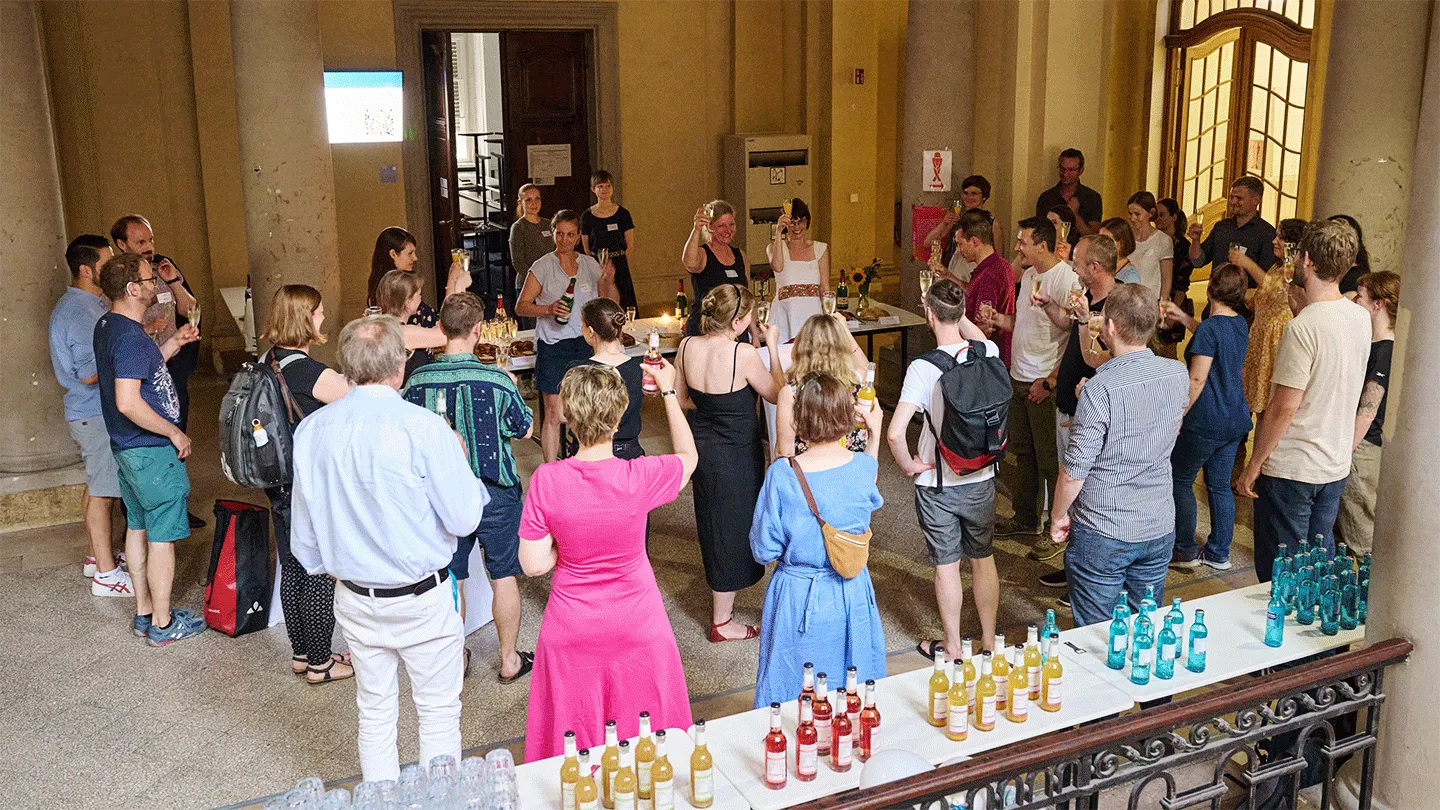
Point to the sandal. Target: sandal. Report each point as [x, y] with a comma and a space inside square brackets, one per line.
[527, 663]
[299, 664]
[751, 631]
[927, 648]
[327, 673]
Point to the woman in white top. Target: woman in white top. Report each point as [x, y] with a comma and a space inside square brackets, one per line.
[1154, 254]
[558, 341]
[802, 271]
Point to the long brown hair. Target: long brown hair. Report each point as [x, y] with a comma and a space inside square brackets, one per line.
[392, 238]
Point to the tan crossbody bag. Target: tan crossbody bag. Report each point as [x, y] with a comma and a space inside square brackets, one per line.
[848, 552]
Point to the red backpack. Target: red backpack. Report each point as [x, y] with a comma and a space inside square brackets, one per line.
[976, 394]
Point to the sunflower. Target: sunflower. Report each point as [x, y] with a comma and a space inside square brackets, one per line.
[857, 275]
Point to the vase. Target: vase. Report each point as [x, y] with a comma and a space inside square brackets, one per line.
[864, 301]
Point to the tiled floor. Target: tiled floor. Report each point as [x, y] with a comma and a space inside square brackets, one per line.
[90, 717]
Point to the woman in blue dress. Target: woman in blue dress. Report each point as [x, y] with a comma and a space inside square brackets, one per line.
[811, 612]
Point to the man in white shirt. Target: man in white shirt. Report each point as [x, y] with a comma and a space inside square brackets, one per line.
[381, 491]
[1035, 351]
[1304, 442]
[958, 517]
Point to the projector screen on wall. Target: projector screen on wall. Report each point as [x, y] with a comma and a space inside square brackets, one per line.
[363, 106]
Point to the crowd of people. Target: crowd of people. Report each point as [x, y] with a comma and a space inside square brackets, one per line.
[403, 461]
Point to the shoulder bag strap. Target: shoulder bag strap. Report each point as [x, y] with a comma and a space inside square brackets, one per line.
[291, 408]
[805, 488]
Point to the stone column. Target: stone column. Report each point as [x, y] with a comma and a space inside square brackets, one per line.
[1367, 131]
[33, 435]
[288, 179]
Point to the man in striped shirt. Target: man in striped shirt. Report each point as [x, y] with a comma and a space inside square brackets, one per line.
[1114, 498]
[485, 408]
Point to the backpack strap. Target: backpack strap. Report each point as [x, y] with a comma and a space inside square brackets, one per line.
[292, 410]
[805, 488]
[939, 359]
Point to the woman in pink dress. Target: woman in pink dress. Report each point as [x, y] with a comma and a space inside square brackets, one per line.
[606, 649]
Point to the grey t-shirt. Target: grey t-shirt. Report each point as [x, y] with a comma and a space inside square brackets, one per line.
[528, 242]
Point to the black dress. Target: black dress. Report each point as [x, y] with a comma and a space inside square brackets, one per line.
[627, 435]
[727, 483]
[713, 275]
[609, 233]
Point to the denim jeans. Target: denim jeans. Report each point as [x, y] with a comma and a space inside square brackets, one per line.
[1286, 511]
[1217, 457]
[1100, 567]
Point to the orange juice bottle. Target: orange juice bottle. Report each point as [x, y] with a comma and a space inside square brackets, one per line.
[1001, 671]
[609, 765]
[587, 793]
[1019, 708]
[985, 696]
[569, 773]
[623, 792]
[702, 771]
[957, 724]
[662, 777]
[644, 759]
[1051, 680]
[939, 690]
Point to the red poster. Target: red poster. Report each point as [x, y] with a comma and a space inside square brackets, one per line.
[923, 219]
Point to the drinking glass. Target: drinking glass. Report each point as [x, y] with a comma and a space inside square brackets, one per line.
[927, 277]
[1064, 231]
[630, 314]
[443, 766]
[762, 313]
[1199, 218]
[502, 355]
[958, 206]
[1096, 321]
[787, 206]
[1075, 301]
[1034, 291]
[1239, 247]
[828, 301]
[194, 317]
[314, 787]
[372, 311]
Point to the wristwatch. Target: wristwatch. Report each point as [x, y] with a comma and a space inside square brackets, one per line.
[1046, 385]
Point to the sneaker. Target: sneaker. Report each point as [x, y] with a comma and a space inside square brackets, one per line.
[181, 627]
[1184, 563]
[141, 626]
[1064, 600]
[1046, 549]
[115, 583]
[1055, 579]
[89, 569]
[195, 521]
[1007, 527]
[1219, 565]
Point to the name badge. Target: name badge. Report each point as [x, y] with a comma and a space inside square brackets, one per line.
[729, 273]
[164, 297]
[544, 233]
[614, 226]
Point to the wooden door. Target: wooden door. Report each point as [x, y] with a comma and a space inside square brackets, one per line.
[440, 128]
[546, 76]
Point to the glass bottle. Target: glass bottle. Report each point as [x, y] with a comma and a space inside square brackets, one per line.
[624, 790]
[1349, 600]
[842, 743]
[1169, 649]
[807, 680]
[1308, 593]
[1122, 604]
[1018, 704]
[777, 765]
[1364, 582]
[1142, 651]
[985, 696]
[1032, 661]
[852, 700]
[644, 758]
[824, 714]
[1329, 606]
[1053, 678]
[702, 771]
[1176, 617]
[568, 299]
[869, 724]
[500, 314]
[1000, 670]
[957, 722]
[662, 777]
[1275, 619]
[807, 755]
[1047, 629]
[682, 304]
[652, 359]
[865, 398]
[1119, 639]
[587, 793]
[842, 294]
[1195, 658]
[1280, 563]
[939, 689]
[1148, 604]
[569, 773]
[967, 672]
[609, 765]
[1286, 594]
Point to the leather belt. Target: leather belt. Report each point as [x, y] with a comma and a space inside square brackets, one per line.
[405, 590]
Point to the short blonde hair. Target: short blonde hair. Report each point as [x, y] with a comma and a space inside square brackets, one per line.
[822, 346]
[395, 288]
[592, 401]
[723, 306]
[291, 322]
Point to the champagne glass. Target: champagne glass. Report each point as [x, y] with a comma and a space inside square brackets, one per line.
[828, 302]
[1075, 301]
[1034, 291]
[1096, 321]
[630, 314]
[194, 316]
[502, 355]
[958, 206]
[1064, 231]
[787, 206]
[762, 313]
[927, 277]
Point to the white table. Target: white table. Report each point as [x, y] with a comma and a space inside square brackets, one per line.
[1235, 646]
[540, 781]
[527, 363]
[903, 701]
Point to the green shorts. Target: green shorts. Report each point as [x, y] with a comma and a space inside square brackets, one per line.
[155, 487]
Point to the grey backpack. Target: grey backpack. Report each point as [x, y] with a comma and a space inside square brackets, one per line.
[257, 419]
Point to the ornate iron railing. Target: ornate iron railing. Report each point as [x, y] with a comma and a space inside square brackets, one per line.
[1267, 721]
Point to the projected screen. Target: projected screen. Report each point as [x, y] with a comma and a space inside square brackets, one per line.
[363, 106]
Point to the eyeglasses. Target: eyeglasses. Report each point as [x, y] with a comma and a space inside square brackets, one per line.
[150, 279]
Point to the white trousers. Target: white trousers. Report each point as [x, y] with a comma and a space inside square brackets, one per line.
[425, 633]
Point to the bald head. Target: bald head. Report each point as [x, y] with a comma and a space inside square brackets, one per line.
[372, 350]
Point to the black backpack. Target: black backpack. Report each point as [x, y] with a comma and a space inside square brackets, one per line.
[976, 392]
[258, 396]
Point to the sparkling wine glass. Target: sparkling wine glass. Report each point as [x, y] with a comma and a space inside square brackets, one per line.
[828, 302]
[762, 313]
[1075, 301]
[927, 277]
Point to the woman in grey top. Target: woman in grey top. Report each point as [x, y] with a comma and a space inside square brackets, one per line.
[529, 237]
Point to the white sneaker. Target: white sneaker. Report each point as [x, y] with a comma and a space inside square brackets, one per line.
[117, 583]
[89, 570]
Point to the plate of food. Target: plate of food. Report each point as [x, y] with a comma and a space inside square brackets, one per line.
[627, 339]
[872, 314]
[522, 348]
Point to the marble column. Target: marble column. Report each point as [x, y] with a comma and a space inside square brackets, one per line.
[1367, 131]
[287, 175]
[33, 435]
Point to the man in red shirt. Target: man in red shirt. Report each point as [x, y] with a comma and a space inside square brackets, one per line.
[993, 280]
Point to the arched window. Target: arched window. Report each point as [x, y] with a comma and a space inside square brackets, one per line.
[1238, 82]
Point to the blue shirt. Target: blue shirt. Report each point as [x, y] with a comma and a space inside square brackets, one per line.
[72, 350]
[124, 351]
[1220, 412]
[381, 490]
[482, 404]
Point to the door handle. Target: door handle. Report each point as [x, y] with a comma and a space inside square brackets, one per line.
[443, 222]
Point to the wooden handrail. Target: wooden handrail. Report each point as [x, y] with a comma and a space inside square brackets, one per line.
[1075, 742]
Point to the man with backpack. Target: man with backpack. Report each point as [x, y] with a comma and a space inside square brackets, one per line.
[965, 399]
[1114, 501]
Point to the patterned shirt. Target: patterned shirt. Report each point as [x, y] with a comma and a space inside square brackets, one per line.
[1120, 443]
[483, 405]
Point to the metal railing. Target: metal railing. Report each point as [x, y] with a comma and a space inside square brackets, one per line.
[1270, 722]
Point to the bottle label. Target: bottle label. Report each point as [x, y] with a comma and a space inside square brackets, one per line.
[609, 777]
[871, 740]
[625, 801]
[937, 708]
[987, 711]
[1034, 673]
[1019, 708]
[1146, 654]
[1197, 647]
[702, 783]
[642, 777]
[843, 751]
[567, 795]
[958, 724]
[1168, 652]
[1002, 690]
[593, 804]
[1052, 691]
[1119, 643]
[664, 798]
[854, 721]
[970, 693]
[806, 765]
[822, 733]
